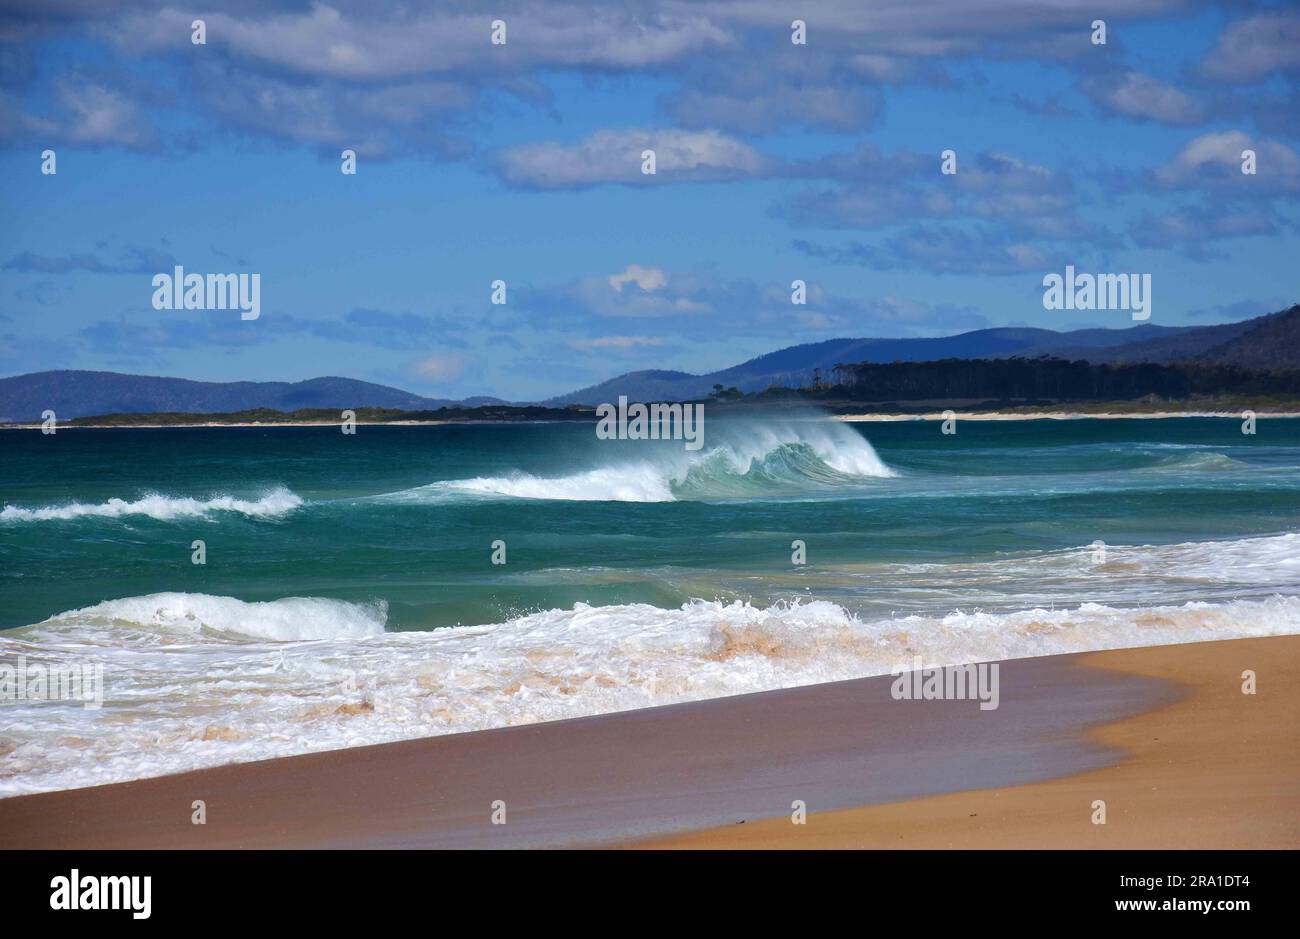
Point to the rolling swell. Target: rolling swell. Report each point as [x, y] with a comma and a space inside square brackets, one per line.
[744, 461]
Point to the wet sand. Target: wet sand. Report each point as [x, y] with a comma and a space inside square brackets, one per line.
[726, 772]
[1215, 769]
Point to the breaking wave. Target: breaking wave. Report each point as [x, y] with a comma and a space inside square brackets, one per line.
[276, 502]
[744, 461]
[196, 614]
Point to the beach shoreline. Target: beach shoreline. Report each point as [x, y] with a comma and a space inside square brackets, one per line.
[1053, 416]
[864, 417]
[872, 771]
[338, 423]
[1214, 769]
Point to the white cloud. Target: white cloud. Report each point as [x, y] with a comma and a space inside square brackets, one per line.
[1215, 159]
[1256, 47]
[378, 41]
[370, 119]
[614, 156]
[937, 27]
[647, 278]
[317, 72]
[1135, 95]
[90, 114]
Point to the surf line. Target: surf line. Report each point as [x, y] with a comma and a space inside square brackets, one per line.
[657, 421]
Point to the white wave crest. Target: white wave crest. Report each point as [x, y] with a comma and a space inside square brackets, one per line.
[742, 459]
[192, 614]
[276, 502]
[631, 482]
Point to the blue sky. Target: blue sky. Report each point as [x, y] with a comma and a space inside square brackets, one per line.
[522, 162]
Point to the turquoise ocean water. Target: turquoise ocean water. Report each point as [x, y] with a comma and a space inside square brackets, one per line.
[349, 594]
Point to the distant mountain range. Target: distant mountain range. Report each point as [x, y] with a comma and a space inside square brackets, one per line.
[72, 394]
[1271, 341]
[1265, 342]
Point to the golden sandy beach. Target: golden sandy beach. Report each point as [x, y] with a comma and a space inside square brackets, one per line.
[1215, 769]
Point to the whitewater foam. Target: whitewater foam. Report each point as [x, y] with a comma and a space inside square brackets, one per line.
[1196, 460]
[181, 696]
[631, 482]
[1113, 574]
[276, 502]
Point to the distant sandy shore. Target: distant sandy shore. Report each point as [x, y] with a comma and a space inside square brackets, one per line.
[240, 424]
[1054, 416]
[1163, 735]
[883, 417]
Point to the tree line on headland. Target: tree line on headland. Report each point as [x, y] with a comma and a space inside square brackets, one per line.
[1005, 384]
[1050, 379]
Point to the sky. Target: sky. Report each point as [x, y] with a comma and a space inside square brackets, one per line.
[522, 162]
